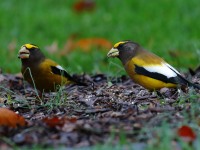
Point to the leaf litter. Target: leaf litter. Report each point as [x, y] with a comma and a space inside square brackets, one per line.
[81, 116]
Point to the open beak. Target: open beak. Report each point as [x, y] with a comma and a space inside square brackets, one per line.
[113, 53]
[23, 53]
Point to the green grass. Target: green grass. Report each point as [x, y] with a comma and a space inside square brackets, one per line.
[160, 26]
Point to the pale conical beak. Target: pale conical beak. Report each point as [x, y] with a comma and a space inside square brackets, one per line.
[113, 53]
[23, 53]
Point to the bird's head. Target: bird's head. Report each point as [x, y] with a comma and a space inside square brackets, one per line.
[30, 52]
[124, 50]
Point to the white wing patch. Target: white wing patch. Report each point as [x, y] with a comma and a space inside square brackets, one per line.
[59, 67]
[164, 69]
[171, 68]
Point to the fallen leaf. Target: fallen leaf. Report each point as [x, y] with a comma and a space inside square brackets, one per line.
[10, 118]
[84, 5]
[54, 121]
[86, 44]
[72, 119]
[186, 133]
[58, 121]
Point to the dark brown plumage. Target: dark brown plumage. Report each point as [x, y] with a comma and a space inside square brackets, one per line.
[42, 73]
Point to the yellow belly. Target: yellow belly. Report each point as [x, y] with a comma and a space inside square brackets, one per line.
[43, 79]
[150, 83]
[145, 81]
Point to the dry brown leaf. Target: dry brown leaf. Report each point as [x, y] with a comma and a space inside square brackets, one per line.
[86, 44]
[10, 118]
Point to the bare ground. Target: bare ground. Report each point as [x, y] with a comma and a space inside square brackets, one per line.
[103, 112]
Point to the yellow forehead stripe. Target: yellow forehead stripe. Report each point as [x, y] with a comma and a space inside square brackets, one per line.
[29, 46]
[118, 43]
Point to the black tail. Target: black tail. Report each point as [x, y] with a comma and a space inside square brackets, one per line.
[196, 86]
[184, 81]
[78, 82]
[64, 73]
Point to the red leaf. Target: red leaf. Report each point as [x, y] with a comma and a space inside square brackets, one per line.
[72, 119]
[84, 5]
[186, 133]
[53, 122]
[10, 118]
[56, 121]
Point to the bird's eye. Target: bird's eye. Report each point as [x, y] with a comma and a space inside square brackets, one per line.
[119, 46]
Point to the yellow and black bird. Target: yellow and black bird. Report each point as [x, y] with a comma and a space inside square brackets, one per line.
[42, 73]
[146, 68]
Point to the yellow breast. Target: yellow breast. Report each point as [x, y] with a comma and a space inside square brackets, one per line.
[43, 78]
[145, 81]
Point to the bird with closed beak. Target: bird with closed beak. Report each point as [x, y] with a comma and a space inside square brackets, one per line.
[146, 68]
[42, 73]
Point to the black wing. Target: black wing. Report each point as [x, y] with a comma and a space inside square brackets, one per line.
[64, 73]
[174, 80]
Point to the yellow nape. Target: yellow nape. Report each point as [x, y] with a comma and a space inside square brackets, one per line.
[118, 43]
[150, 83]
[29, 46]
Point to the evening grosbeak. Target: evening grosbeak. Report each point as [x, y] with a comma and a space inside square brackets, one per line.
[147, 69]
[42, 73]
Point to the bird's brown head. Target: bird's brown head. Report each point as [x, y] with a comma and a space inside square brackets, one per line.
[124, 50]
[30, 53]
